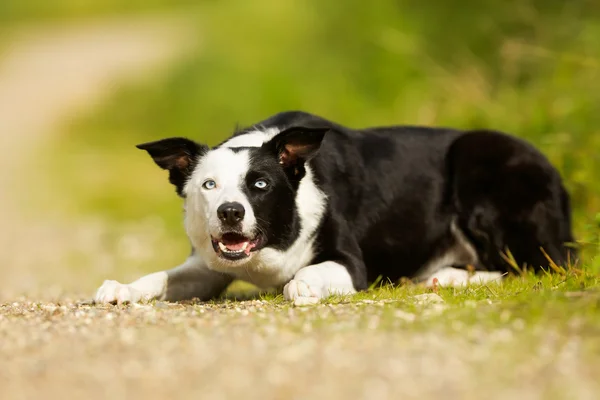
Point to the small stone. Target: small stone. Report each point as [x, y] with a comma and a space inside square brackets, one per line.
[428, 298]
[306, 301]
[434, 310]
[405, 316]
[49, 307]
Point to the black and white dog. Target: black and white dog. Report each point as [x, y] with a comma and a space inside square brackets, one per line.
[304, 204]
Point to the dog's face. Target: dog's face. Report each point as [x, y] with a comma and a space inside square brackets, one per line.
[240, 199]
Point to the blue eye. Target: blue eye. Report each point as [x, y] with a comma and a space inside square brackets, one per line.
[261, 184]
[209, 184]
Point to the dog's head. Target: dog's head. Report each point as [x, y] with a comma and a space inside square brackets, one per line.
[239, 200]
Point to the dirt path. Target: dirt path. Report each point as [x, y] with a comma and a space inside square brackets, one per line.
[47, 75]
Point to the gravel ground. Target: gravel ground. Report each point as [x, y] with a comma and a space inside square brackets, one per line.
[268, 350]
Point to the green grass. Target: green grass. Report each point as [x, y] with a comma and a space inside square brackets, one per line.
[517, 286]
[566, 303]
[526, 307]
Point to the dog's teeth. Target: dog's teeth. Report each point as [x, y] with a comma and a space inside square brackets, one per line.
[223, 247]
[244, 246]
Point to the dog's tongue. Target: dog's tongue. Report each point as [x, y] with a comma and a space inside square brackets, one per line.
[234, 242]
[235, 246]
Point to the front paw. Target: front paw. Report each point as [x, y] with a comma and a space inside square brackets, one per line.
[301, 293]
[115, 292]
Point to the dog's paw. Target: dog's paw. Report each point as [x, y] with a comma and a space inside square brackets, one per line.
[301, 293]
[115, 292]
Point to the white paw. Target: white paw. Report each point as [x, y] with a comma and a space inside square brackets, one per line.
[301, 293]
[115, 292]
[459, 277]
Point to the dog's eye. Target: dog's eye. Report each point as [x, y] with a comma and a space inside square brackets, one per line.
[209, 184]
[261, 184]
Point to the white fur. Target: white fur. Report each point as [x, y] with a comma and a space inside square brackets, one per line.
[318, 281]
[267, 267]
[205, 271]
[461, 252]
[459, 277]
[146, 288]
[190, 279]
[228, 169]
[252, 139]
[152, 287]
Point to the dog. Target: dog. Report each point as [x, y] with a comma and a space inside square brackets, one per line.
[314, 208]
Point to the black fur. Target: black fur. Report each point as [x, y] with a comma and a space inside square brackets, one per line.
[281, 162]
[274, 207]
[508, 196]
[177, 155]
[394, 192]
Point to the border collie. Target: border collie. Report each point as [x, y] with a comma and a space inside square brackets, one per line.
[306, 205]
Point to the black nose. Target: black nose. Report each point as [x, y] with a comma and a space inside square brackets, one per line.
[231, 213]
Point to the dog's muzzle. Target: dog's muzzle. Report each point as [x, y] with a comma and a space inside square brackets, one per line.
[234, 246]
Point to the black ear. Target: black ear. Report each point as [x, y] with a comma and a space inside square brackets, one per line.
[177, 155]
[296, 145]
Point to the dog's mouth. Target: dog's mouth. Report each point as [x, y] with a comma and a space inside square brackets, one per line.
[234, 246]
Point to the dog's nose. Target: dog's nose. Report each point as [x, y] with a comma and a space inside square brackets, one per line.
[231, 213]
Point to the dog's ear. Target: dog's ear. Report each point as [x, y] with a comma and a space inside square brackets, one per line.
[296, 145]
[177, 155]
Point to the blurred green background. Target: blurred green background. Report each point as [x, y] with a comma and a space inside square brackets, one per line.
[531, 68]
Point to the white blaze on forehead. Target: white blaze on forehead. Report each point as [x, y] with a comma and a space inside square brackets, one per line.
[252, 138]
[223, 165]
[228, 169]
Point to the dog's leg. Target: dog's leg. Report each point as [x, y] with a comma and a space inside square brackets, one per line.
[516, 203]
[315, 282]
[457, 277]
[192, 279]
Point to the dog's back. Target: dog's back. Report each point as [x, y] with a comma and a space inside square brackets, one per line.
[409, 200]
